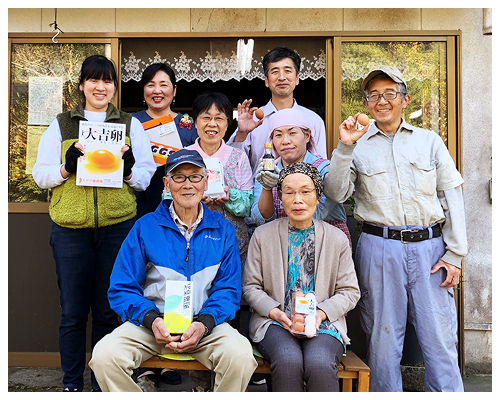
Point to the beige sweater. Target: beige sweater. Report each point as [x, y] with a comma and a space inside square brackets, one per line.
[265, 272]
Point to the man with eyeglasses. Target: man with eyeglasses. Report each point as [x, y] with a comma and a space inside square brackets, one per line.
[181, 241]
[408, 196]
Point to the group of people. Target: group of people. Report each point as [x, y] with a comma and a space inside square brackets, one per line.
[272, 234]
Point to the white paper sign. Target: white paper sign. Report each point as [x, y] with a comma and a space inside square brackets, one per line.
[44, 99]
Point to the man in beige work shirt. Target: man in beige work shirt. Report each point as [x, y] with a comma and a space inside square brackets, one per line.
[408, 195]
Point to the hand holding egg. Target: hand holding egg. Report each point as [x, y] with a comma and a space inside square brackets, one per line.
[303, 314]
[348, 131]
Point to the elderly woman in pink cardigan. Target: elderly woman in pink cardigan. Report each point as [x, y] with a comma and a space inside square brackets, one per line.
[300, 254]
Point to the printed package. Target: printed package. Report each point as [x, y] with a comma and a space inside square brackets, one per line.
[178, 312]
[304, 314]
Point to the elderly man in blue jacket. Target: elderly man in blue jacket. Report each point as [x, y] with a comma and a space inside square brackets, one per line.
[181, 241]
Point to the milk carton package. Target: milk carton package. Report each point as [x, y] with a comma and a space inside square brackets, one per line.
[215, 178]
[178, 312]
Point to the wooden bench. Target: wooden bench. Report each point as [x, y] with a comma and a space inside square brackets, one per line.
[351, 368]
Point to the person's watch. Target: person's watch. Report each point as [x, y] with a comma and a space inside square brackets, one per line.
[206, 330]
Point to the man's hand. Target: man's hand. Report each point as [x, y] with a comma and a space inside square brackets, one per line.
[246, 123]
[161, 333]
[189, 339]
[452, 273]
[348, 132]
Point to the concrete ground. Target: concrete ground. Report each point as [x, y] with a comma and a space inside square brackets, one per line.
[22, 379]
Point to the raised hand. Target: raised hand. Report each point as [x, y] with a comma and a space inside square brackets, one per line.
[348, 132]
[246, 123]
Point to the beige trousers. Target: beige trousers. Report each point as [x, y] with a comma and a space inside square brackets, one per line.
[224, 351]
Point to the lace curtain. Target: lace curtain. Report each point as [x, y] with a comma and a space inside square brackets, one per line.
[215, 59]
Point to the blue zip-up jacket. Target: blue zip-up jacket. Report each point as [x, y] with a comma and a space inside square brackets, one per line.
[155, 250]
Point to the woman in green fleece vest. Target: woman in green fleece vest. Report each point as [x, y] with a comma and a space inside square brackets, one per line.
[89, 223]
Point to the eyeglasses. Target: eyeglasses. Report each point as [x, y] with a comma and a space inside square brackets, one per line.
[376, 96]
[195, 178]
[218, 119]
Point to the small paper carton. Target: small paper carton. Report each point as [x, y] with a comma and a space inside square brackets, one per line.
[178, 312]
[215, 177]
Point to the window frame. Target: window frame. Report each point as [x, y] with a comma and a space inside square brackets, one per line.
[453, 73]
[43, 207]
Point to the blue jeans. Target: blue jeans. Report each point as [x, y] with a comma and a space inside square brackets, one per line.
[397, 286]
[295, 362]
[84, 259]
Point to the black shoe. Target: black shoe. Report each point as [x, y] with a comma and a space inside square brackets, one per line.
[171, 377]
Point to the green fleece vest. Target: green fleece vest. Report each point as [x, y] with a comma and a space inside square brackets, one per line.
[74, 206]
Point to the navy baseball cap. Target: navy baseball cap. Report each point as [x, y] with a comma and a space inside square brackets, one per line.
[183, 156]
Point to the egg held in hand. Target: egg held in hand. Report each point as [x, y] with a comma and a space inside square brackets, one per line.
[259, 113]
[363, 119]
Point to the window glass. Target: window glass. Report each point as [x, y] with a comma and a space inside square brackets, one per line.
[44, 82]
[423, 64]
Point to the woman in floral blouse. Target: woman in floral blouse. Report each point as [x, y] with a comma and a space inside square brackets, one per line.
[159, 83]
[212, 113]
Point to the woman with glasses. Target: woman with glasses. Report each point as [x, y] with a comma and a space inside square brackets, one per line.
[308, 256]
[159, 87]
[290, 135]
[212, 113]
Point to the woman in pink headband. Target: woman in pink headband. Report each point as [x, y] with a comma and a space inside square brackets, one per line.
[292, 142]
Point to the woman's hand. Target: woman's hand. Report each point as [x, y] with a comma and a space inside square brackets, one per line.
[268, 179]
[128, 161]
[348, 132]
[223, 200]
[320, 317]
[72, 154]
[279, 316]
